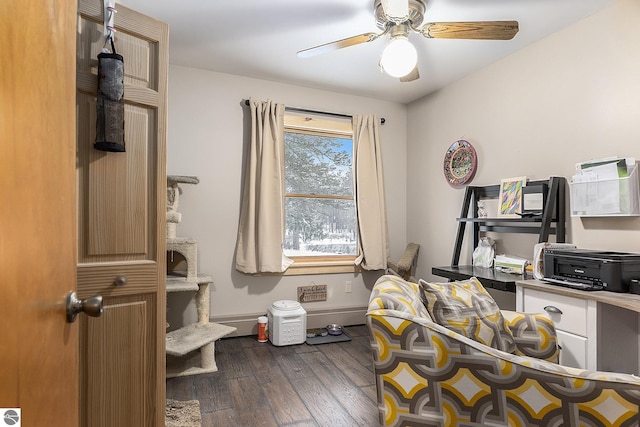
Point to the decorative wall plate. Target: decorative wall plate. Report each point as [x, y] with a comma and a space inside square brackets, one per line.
[460, 162]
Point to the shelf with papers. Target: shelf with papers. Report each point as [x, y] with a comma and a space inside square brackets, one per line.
[592, 196]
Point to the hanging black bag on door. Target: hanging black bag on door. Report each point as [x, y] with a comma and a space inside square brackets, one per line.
[110, 102]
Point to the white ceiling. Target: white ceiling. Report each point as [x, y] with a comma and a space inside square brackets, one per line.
[260, 38]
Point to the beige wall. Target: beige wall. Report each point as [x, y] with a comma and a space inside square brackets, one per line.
[206, 122]
[570, 97]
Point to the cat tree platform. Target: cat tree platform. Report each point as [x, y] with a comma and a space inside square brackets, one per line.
[202, 337]
[181, 284]
[193, 346]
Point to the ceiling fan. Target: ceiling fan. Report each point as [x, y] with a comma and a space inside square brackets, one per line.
[397, 18]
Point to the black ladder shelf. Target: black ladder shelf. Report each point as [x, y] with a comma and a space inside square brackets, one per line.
[550, 222]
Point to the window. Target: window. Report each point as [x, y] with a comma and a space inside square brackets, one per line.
[320, 213]
[325, 181]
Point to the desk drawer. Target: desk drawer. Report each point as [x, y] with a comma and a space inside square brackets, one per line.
[573, 350]
[573, 311]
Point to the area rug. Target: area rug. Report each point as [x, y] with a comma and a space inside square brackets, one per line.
[182, 413]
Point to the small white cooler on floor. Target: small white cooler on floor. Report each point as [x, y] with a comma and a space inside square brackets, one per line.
[287, 323]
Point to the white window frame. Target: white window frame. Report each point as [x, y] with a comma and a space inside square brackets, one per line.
[314, 125]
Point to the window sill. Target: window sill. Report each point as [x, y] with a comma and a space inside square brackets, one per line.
[324, 267]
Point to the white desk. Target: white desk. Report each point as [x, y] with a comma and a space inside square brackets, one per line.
[597, 330]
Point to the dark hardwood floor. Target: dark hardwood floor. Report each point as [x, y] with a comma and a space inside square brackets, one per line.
[259, 384]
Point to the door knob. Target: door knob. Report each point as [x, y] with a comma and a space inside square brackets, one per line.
[91, 306]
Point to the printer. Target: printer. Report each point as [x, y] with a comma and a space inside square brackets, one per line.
[591, 270]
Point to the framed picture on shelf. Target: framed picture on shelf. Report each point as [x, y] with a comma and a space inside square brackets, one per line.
[533, 203]
[511, 197]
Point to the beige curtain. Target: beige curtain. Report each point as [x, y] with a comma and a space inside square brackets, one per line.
[261, 228]
[369, 193]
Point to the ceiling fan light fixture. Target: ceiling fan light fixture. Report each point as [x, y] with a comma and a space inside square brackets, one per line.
[396, 9]
[399, 57]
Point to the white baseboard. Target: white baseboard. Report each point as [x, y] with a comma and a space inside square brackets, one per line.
[248, 324]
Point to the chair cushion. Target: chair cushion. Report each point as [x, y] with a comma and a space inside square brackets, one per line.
[394, 293]
[467, 308]
[534, 334]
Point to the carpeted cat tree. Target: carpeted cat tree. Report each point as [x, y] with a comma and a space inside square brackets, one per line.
[190, 349]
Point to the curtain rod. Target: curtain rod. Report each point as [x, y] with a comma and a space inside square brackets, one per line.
[305, 110]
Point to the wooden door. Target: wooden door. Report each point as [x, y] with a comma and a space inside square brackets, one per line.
[121, 226]
[38, 348]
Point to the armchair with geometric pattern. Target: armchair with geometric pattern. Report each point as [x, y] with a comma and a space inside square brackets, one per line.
[428, 375]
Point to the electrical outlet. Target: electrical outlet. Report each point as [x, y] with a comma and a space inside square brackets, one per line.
[347, 286]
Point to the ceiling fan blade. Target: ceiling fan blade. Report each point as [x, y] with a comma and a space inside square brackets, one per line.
[413, 75]
[338, 44]
[396, 9]
[483, 30]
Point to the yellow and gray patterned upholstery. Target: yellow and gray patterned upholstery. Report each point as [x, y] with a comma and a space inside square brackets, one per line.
[428, 375]
[395, 293]
[534, 334]
[466, 307]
